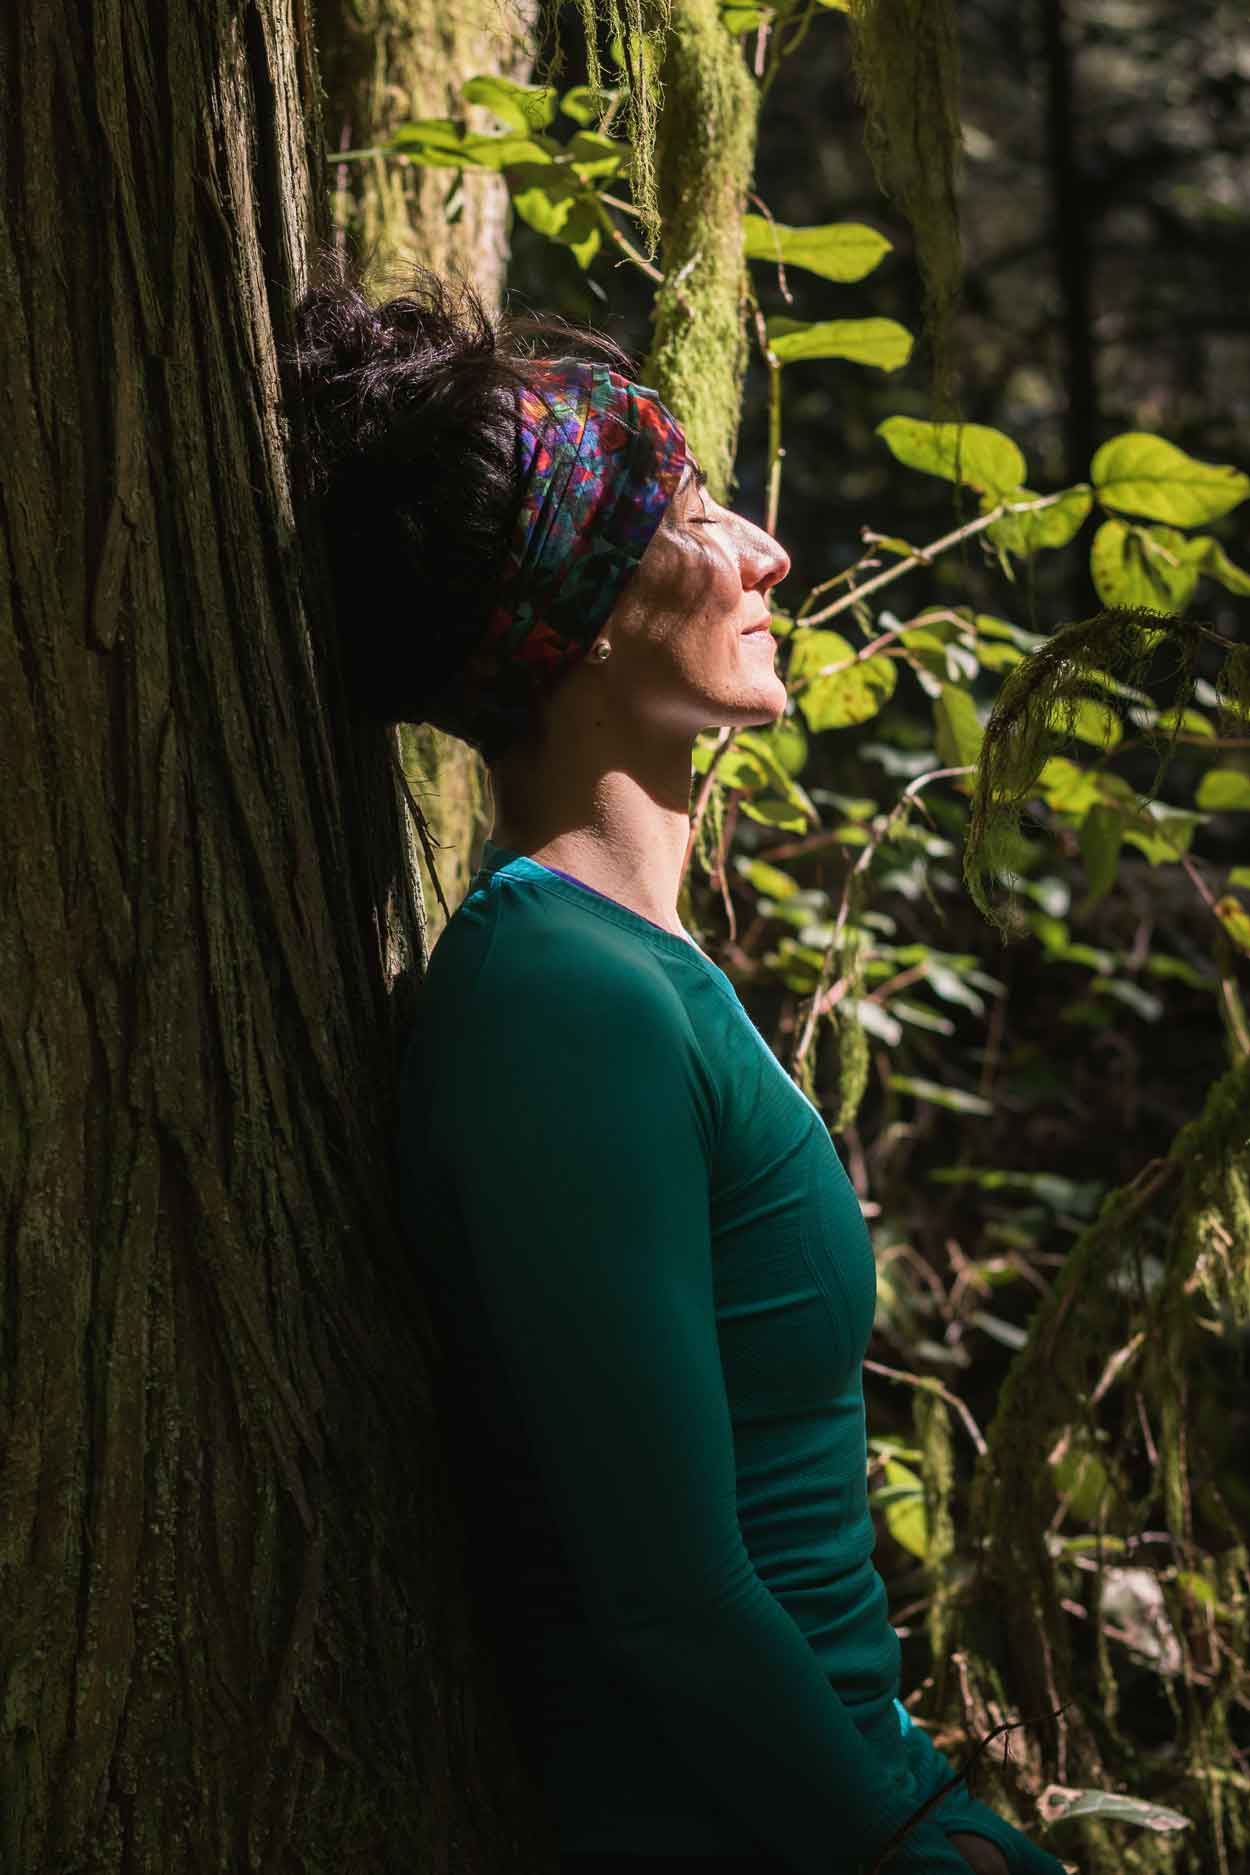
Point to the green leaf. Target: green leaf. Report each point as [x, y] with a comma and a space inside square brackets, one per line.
[1190, 722]
[769, 880]
[1137, 566]
[737, 768]
[1084, 1480]
[1240, 875]
[774, 813]
[587, 106]
[439, 132]
[981, 458]
[852, 695]
[880, 342]
[1058, 1801]
[1091, 721]
[1222, 789]
[837, 250]
[523, 107]
[594, 155]
[787, 739]
[1138, 473]
[1216, 564]
[1055, 526]
[1066, 787]
[952, 1097]
[485, 152]
[544, 199]
[902, 1502]
[1101, 836]
[1163, 833]
[959, 732]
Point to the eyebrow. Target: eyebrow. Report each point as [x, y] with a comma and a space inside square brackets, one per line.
[700, 475]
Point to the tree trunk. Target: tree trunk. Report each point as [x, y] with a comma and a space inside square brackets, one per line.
[230, 1599]
[383, 62]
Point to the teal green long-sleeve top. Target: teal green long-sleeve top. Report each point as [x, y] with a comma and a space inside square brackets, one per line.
[655, 1287]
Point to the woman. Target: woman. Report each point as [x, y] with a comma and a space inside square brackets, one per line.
[651, 1276]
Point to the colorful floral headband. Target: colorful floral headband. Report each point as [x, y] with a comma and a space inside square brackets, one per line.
[600, 461]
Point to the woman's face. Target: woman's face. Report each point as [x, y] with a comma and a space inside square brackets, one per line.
[690, 638]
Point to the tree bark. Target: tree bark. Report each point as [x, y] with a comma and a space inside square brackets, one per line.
[232, 1629]
[384, 62]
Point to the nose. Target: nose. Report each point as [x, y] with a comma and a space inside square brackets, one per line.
[764, 560]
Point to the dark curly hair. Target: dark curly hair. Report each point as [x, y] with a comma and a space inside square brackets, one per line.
[410, 423]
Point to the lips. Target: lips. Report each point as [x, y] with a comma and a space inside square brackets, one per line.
[752, 629]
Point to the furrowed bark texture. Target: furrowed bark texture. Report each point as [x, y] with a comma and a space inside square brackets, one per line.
[384, 62]
[706, 156]
[230, 1606]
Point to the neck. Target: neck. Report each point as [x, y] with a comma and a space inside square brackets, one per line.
[621, 828]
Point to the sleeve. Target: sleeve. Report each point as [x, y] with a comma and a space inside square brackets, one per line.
[579, 1133]
[961, 1813]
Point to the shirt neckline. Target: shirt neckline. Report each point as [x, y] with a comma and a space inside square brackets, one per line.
[502, 859]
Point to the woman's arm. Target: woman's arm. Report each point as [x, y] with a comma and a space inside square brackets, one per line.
[578, 1127]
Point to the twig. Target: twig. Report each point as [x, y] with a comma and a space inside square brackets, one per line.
[925, 554]
[927, 1385]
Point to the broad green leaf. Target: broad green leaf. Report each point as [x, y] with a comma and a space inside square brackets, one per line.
[880, 342]
[982, 458]
[439, 132]
[1190, 722]
[1138, 473]
[1148, 567]
[1160, 964]
[902, 1502]
[774, 813]
[920, 1017]
[1058, 1801]
[787, 738]
[737, 768]
[990, 627]
[544, 199]
[1163, 834]
[1101, 836]
[1216, 564]
[1240, 875]
[959, 732]
[1049, 527]
[1084, 1480]
[585, 105]
[1091, 722]
[852, 695]
[1224, 788]
[838, 250]
[743, 19]
[502, 152]
[768, 880]
[593, 155]
[1066, 787]
[878, 1022]
[952, 1097]
[522, 107]
[1233, 916]
[997, 656]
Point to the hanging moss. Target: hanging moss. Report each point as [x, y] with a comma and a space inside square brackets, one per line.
[906, 58]
[638, 32]
[1180, 1208]
[1036, 709]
